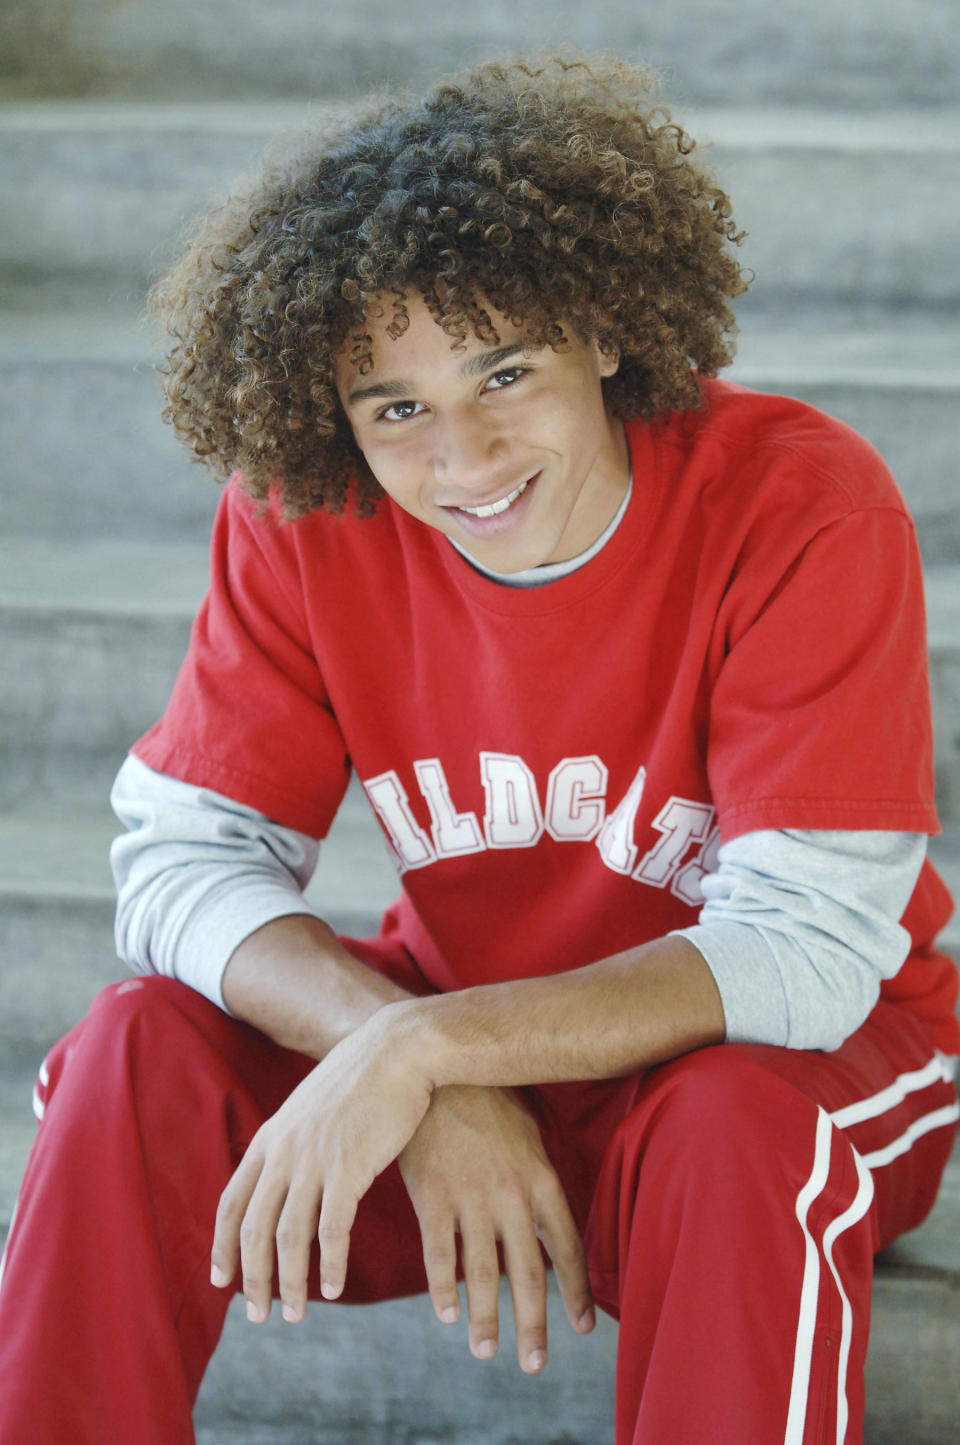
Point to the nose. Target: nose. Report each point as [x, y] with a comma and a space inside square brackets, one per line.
[468, 450]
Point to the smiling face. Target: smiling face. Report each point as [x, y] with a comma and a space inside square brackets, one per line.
[508, 452]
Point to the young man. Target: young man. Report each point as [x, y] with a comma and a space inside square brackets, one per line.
[604, 639]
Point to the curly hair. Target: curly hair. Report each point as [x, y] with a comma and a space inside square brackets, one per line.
[557, 191]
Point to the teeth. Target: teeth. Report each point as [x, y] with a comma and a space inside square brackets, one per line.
[495, 508]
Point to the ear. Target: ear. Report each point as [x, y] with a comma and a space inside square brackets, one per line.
[608, 358]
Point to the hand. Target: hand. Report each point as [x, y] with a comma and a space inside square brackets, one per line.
[308, 1167]
[476, 1166]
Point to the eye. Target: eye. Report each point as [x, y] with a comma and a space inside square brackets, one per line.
[507, 377]
[400, 411]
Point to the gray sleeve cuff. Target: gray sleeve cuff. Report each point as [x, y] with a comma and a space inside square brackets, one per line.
[800, 928]
[749, 983]
[196, 874]
[210, 934]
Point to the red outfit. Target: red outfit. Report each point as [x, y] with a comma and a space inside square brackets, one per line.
[550, 766]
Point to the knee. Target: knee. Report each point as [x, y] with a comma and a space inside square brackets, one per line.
[717, 1112]
[127, 1023]
[156, 1028]
[705, 1090]
[137, 1005]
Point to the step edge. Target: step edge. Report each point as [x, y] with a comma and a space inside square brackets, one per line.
[905, 129]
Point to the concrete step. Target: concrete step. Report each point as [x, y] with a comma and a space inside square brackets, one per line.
[102, 465]
[943, 632]
[93, 638]
[57, 905]
[839, 205]
[83, 452]
[864, 50]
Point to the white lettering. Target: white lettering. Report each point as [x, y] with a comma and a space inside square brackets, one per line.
[453, 833]
[617, 848]
[513, 818]
[575, 811]
[576, 799]
[681, 823]
[389, 798]
[686, 884]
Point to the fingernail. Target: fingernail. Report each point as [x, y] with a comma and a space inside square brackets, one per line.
[217, 1277]
[254, 1313]
[535, 1361]
[329, 1291]
[449, 1315]
[587, 1320]
[291, 1315]
[486, 1349]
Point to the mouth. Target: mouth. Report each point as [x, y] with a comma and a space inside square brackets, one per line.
[494, 509]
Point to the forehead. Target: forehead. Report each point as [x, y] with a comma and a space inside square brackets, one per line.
[401, 334]
[408, 315]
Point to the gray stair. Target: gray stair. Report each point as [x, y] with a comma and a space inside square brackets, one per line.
[943, 605]
[93, 637]
[711, 50]
[57, 905]
[103, 190]
[87, 454]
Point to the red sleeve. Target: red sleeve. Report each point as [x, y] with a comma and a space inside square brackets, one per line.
[820, 716]
[249, 716]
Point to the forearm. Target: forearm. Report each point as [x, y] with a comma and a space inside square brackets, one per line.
[294, 980]
[389, 1063]
[607, 1019]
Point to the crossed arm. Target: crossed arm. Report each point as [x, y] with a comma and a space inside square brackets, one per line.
[428, 1082]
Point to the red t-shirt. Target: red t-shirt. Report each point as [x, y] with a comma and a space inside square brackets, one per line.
[553, 766]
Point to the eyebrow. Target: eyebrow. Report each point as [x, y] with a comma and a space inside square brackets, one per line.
[402, 389]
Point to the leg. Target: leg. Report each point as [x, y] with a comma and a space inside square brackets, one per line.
[107, 1316]
[734, 1225]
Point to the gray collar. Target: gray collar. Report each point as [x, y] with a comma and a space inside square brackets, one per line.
[551, 571]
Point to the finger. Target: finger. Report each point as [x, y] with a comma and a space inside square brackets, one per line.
[481, 1274]
[338, 1210]
[438, 1238]
[296, 1229]
[225, 1252]
[257, 1235]
[557, 1228]
[528, 1287]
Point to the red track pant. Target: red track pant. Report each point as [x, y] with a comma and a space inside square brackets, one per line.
[731, 1200]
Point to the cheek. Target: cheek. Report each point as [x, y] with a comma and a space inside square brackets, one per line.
[566, 424]
[399, 458]
[397, 473]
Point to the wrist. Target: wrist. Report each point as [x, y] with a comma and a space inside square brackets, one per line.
[295, 981]
[409, 1030]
